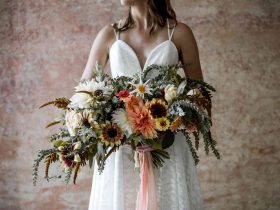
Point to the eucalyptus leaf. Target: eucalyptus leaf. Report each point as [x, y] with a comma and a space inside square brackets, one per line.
[181, 87]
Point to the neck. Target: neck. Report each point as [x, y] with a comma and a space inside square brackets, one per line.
[139, 13]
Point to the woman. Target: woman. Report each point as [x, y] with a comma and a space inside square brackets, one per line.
[147, 36]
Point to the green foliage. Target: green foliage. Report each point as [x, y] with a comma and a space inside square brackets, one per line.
[40, 156]
[158, 157]
[194, 154]
[68, 175]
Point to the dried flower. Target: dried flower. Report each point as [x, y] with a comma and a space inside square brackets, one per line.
[176, 124]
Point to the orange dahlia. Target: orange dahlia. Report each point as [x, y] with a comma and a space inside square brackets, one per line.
[142, 121]
[133, 101]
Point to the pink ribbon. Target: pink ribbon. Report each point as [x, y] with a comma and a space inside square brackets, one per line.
[147, 195]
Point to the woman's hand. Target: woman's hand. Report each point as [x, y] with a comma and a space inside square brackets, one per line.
[99, 51]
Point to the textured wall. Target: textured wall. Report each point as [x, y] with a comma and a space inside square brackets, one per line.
[44, 45]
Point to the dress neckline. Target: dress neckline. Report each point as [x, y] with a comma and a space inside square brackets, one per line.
[150, 53]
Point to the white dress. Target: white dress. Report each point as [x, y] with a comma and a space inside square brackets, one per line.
[178, 186]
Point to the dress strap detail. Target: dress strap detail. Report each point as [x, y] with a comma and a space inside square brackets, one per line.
[117, 33]
[173, 29]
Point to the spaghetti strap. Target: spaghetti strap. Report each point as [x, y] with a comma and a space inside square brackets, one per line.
[117, 33]
[170, 35]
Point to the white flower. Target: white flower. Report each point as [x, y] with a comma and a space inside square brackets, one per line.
[120, 118]
[193, 92]
[77, 158]
[78, 145]
[170, 92]
[83, 100]
[89, 116]
[92, 85]
[80, 100]
[141, 88]
[73, 120]
[60, 148]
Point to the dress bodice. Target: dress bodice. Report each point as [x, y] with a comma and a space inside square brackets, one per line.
[124, 61]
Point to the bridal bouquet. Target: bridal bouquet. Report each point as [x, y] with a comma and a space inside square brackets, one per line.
[106, 113]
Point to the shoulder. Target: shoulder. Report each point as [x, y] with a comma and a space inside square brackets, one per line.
[183, 33]
[184, 37]
[183, 30]
[106, 35]
[106, 32]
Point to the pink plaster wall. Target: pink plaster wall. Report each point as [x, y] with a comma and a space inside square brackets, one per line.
[44, 46]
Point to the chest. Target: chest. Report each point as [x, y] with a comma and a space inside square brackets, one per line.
[125, 61]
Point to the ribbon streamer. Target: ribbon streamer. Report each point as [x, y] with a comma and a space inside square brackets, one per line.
[147, 194]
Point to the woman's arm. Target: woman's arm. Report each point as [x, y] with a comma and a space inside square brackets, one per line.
[99, 51]
[188, 51]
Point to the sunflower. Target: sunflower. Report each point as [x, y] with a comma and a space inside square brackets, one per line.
[88, 118]
[162, 124]
[158, 108]
[111, 134]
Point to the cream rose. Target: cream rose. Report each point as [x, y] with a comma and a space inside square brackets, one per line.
[170, 92]
[73, 121]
